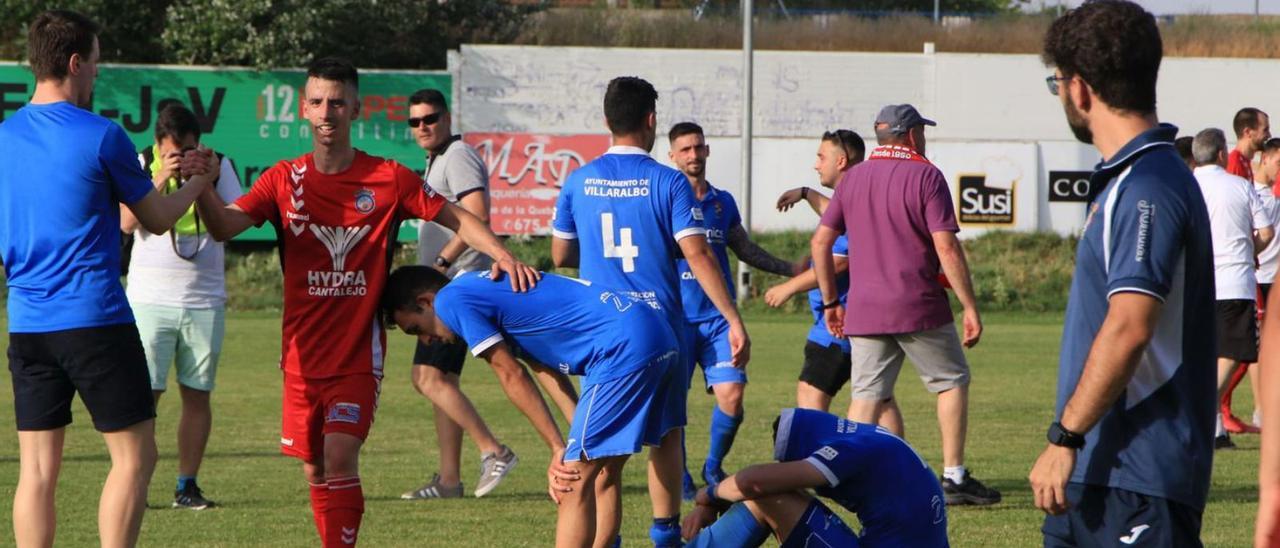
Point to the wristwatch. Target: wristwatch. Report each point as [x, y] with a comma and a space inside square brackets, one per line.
[1064, 438]
[443, 262]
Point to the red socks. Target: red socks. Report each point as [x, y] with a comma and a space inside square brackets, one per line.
[342, 508]
[319, 494]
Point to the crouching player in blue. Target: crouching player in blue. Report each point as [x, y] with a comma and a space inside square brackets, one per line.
[632, 386]
[862, 467]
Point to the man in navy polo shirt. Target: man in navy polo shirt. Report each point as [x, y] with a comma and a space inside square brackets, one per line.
[1130, 454]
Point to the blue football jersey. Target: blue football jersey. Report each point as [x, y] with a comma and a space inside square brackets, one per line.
[627, 212]
[580, 327]
[870, 472]
[719, 214]
[818, 333]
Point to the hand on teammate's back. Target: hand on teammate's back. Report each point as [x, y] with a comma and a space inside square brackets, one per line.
[523, 277]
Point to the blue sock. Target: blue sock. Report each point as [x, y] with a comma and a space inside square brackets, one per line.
[617, 542]
[724, 429]
[183, 481]
[737, 527]
[665, 532]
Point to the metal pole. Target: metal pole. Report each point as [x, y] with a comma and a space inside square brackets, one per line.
[937, 11]
[744, 274]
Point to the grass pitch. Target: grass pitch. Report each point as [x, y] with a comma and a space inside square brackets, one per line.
[264, 499]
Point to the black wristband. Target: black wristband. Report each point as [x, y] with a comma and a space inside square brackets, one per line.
[804, 193]
[1060, 436]
[830, 305]
[443, 262]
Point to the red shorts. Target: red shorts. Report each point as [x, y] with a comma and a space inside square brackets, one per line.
[316, 407]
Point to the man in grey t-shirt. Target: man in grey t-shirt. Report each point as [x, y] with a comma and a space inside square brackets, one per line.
[457, 173]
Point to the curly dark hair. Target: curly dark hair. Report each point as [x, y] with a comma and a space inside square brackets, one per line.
[1114, 46]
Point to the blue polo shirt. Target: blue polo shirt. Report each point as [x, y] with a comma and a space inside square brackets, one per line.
[63, 173]
[1148, 232]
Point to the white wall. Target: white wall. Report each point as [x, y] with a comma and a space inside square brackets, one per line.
[992, 110]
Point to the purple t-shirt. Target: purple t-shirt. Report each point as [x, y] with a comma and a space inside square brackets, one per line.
[889, 207]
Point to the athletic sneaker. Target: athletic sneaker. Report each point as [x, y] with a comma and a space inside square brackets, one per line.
[434, 490]
[969, 491]
[689, 490]
[191, 498]
[1236, 426]
[494, 467]
[1223, 442]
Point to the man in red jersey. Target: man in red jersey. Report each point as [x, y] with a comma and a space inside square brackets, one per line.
[336, 211]
[1253, 129]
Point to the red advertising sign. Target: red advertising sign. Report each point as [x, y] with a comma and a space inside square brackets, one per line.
[526, 172]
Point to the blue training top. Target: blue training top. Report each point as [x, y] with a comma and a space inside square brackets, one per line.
[579, 326]
[719, 213]
[63, 173]
[818, 333]
[627, 212]
[1148, 233]
[870, 472]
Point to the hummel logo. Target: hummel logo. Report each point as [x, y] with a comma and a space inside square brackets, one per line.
[297, 173]
[287, 442]
[297, 191]
[297, 203]
[348, 535]
[339, 240]
[296, 228]
[1134, 533]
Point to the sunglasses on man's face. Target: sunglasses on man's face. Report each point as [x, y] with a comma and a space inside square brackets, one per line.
[428, 119]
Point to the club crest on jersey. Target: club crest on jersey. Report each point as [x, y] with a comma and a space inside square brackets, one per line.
[364, 201]
[697, 213]
[426, 189]
[719, 209]
[344, 412]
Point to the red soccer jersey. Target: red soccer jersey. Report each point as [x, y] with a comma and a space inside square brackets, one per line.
[336, 232]
[1239, 166]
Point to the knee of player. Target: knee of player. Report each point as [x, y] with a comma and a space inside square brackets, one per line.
[341, 460]
[427, 379]
[730, 399]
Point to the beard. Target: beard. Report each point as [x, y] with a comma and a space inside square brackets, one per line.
[695, 169]
[1079, 126]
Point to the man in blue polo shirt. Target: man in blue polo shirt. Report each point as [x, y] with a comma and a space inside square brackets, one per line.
[622, 347]
[624, 219]
[707, 328]
[862, 467]
[70, 327]
[1131, 451]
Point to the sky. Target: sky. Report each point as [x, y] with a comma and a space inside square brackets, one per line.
[1178, 7]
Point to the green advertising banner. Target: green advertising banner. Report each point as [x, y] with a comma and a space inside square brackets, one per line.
[253, 117]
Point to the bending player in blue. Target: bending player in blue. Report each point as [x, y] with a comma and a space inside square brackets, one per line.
[861, 467]
[706, 327]
[623, 348]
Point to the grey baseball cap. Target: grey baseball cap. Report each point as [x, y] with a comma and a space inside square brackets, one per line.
[901, 118]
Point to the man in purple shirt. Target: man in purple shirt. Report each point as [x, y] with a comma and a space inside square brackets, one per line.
[896, 210]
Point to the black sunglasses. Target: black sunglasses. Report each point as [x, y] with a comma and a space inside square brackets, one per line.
[1052, 82]
[428, 119]
[846, 139]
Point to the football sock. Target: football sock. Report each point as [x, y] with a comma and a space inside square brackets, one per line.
[617, 542]
[737, 527]
[1257, 418]
[1219, 430]
[724, 428]
[183, 481]
[319, 494]
[665, 531]
[954, 473]
[343, 511]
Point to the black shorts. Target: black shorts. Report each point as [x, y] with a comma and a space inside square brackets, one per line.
[1264, 290]
[105, 365]
[1101, 516]
[1238, 330]
[825, 367]
[447, 357]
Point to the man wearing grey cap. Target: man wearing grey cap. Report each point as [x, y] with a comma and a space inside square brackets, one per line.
[897, 212]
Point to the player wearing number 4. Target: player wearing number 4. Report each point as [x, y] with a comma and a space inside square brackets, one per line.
[859, 466]
[708, 329]
[622, 346]
[625, 219]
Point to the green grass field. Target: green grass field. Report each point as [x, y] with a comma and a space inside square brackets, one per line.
[264, 498]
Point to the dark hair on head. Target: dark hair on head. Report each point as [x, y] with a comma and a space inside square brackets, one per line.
[628, 102]
[334, 69]
[684, 128]
[1114, 46]
[431, 97]
[1246, 118]
[176, 121]
[850, 142]
[54, 37]
[1271, 146]
[405, 284]
[1183, 144]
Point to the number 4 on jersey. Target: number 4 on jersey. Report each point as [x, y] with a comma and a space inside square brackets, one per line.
[624, 250]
